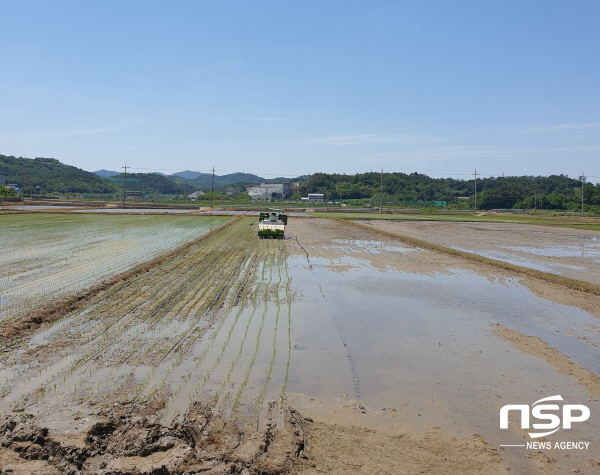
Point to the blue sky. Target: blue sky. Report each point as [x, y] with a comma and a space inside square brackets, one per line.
[296, 87]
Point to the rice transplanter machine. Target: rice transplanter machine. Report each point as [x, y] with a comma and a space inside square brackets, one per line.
[271, 225]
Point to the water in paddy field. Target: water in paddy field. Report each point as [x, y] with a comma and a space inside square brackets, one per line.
[572, 253]
[423, 345]
[136, 210]
[46, 257]
[588, 249]
[210, 326]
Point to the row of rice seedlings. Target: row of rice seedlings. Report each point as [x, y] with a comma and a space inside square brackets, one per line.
[246, 294]
[201, 382]
[72, 369]
[233, 365]
[201, 358]
[78, 275]
[261, 394]
[232, 275]
[164, 283]
[289, 333]
[130, 337]
[185, 345]
[244, 270]
[59, 277]
[244, 382]
[228, 280]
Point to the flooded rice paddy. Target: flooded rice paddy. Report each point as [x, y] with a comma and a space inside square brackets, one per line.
[391, 329]
[401, 357]
[45, 257]
[572, 253]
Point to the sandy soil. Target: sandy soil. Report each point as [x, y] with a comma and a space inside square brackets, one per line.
[573, 253]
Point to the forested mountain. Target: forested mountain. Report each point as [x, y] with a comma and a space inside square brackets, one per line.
[105, 173]
[204, 181]
[552, 192]
[151, 183]
[237, 180]
[188, 174]
[189, 181]
[51, 176]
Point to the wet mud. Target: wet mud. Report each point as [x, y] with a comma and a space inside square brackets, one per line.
[405, 339]
[395, 360]
[125, 442]
[181, 368]
[572, 253]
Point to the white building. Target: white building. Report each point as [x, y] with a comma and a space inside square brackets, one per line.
[314, 198]
[268, 191]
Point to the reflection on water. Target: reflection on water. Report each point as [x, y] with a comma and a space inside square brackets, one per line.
[423, 344]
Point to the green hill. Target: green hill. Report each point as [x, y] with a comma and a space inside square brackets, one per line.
[51, 176]
[151, 183]
[548, 192]
[237, 180]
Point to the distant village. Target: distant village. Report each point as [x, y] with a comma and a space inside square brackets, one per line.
[268, 192]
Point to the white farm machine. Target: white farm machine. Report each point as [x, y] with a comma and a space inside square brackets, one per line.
[272, 225]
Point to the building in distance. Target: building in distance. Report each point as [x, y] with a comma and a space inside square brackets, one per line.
[268, 191]
[314, 198]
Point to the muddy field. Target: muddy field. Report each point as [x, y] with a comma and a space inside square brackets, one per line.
[337, 350]
[573, 253]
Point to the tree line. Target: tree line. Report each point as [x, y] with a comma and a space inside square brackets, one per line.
[548, 192]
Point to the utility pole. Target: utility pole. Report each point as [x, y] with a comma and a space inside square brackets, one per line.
[124, 185]
[582, 178]
[476, 190]
[23, 178]
[212, 189]
[381, 194]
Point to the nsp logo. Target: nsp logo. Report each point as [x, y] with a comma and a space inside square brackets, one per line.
[570, 413]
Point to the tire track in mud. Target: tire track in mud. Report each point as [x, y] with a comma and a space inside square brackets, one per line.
[344, 340]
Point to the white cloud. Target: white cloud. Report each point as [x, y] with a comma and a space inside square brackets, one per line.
[544, 128]
[355, 139]
[367, 139]
[259, 118]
